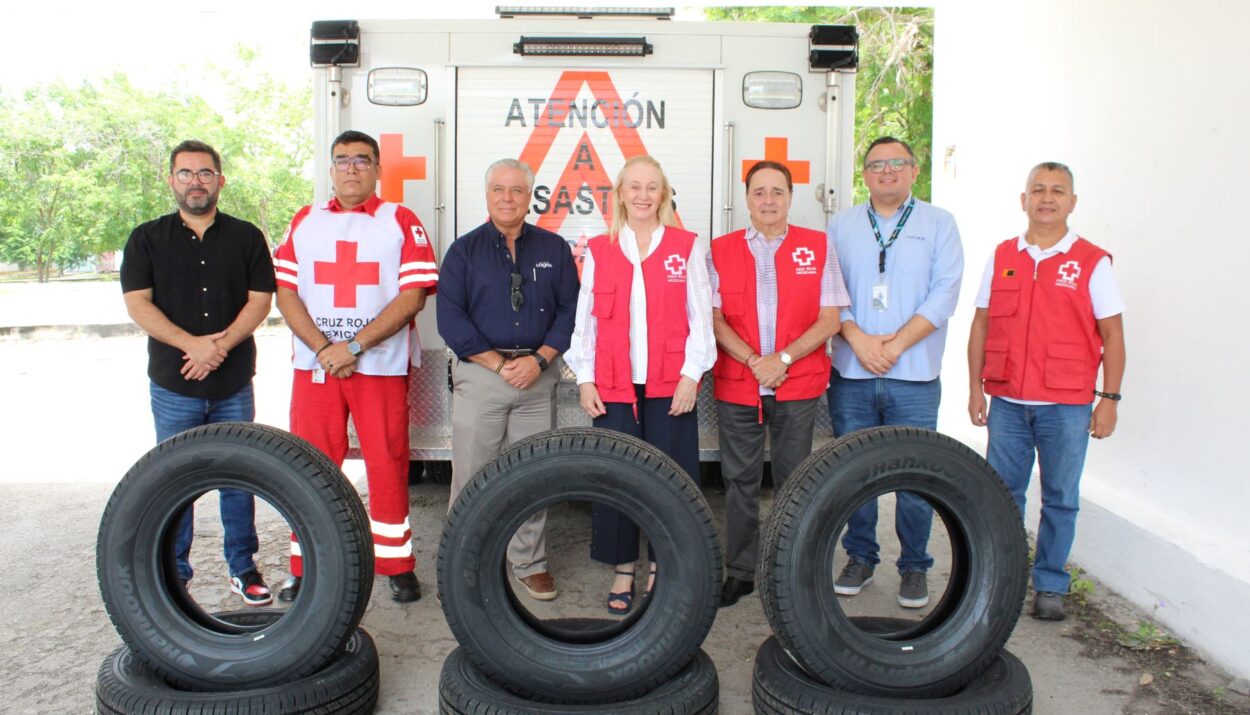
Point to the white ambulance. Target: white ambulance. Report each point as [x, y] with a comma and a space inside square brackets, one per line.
[574, 92]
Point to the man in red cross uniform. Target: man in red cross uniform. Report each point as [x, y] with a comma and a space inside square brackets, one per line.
[352, 275]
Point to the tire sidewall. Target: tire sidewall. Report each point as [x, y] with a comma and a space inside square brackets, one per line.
[160, 623]
[989, 564]
[591, 465]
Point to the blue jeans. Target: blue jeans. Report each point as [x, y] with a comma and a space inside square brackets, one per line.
[1058, 436]
[876, 402]
[176, 413]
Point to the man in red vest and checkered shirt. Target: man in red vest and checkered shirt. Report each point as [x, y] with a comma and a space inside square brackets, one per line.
[1049, 311]
[772, 365]
[352, 275]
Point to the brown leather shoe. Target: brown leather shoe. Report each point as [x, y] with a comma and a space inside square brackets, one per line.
[540, 586]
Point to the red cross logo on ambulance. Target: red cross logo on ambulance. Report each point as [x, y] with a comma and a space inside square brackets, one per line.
[676, 267]
[804, 257]
[1068, 273]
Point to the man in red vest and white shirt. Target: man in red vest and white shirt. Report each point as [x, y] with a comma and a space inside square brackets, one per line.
[352, 275]
[772, 365]
[1049, 311]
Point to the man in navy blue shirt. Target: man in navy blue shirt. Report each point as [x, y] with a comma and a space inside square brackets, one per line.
[506, 298]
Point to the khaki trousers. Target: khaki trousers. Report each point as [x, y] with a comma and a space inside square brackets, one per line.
[487, 415]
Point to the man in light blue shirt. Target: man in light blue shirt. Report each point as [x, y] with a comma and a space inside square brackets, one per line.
[903, 262]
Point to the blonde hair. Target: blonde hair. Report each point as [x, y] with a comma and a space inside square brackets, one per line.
[665, 210]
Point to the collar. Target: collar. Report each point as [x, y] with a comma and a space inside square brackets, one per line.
[753, 234]
[627, 237]
[1064, 245]
[500, 239]
[370, 206]
[897, 212]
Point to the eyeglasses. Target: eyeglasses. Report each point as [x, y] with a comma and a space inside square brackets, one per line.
[517, 299]
[359, 163]
[206, 176]
[877, 166]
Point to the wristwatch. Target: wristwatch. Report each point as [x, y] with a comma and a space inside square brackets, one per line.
[542, 362]
[354, 348]
[786, 359]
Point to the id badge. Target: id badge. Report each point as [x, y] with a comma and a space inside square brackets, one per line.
[319, 376]
[880, 295]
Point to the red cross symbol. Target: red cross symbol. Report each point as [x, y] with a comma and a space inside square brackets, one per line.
[398, 168]
[776, 149]
[345, 274]
[1070, 271]
[676, 265]
[804, 256]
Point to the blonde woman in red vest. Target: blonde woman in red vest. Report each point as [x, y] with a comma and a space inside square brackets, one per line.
[773, 365]
[642, 340]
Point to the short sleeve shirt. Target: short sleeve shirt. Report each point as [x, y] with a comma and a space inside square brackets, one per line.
[200, 286]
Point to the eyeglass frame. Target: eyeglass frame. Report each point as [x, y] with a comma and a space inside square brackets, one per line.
[896, 164]
[518, 298]
[358, 162]
[199, 176]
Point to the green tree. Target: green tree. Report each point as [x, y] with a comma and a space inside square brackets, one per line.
[894, 83]
[81, 166]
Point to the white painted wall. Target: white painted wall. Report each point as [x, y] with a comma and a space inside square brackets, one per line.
[1149, 102]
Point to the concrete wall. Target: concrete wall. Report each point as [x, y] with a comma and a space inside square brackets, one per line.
[1148, 102]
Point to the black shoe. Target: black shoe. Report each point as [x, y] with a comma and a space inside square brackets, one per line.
[289, 589]
[1048, 606]
[734, 589]
[405, 588]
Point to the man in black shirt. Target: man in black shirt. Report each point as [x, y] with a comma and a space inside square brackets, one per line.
[506, 298]
[199, 283]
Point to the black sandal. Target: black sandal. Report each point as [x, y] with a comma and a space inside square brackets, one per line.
[626, 597]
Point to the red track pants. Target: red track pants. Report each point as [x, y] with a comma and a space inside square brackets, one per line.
[379, 407]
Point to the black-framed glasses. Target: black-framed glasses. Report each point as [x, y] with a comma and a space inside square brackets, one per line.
[359, 163]
[517, 299]
[877, 166]
[206, 176]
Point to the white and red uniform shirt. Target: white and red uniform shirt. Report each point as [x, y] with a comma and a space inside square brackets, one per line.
[349, 264]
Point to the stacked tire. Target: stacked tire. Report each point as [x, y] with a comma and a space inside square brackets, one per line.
[177, 658]
[510, 662]
[953, 661]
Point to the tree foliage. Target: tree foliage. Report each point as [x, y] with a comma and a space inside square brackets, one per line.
[894, 83]
[80, 166]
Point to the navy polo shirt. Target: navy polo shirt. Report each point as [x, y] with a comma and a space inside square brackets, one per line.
[201, 286]
[475, 292]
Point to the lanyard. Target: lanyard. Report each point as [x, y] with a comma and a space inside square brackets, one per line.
[893, 236]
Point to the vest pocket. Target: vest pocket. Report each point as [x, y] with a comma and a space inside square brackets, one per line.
[674, 358]
[1067, 367]
[604, 303]
[996, 351]
[732, 302]
[1004, 300]
[605, 368]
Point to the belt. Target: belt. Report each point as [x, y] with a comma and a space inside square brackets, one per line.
[514, 353]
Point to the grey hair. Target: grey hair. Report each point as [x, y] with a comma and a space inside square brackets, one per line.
[513, 164]
[1053, 166]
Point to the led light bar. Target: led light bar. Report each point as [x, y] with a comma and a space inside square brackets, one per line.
[663, 13]
[583, 46]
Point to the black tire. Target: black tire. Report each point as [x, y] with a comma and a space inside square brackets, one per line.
[542, 660]
[438, 472]
[780, 687]
[463, 689]
[153, 613]
[989, 564]
[348, 684]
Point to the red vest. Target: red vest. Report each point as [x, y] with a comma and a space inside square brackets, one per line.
[664, 280]
[800, 262]
[1043, 342]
